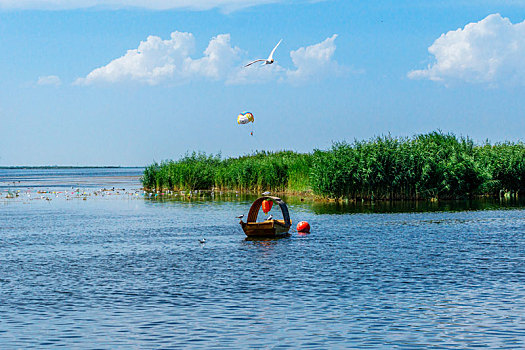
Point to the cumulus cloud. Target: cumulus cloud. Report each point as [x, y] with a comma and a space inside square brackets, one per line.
[157, 61]
[219, 58]
[227, 5]
[153, 61]
[490, 51]
[49, 80]
[314, 61]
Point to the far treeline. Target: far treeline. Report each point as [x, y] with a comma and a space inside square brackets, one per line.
[428, 166]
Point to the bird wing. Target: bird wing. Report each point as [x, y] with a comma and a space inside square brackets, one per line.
[249, 64]
[271, 54]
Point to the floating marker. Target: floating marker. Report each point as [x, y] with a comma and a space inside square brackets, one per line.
[303, 227]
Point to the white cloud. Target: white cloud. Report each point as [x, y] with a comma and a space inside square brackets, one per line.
[218, 59]
[227, 5]
[49, 80]
[490, 51]
[156, 61]
[153, 61]
[315, 61]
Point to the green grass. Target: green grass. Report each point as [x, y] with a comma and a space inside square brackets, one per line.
[276, 171]
[428, 166]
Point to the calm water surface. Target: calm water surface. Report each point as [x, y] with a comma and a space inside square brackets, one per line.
[85, 268]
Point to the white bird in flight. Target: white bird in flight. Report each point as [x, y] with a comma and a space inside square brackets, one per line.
[269, 60]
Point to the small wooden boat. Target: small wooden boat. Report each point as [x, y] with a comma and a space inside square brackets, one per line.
[269, 228]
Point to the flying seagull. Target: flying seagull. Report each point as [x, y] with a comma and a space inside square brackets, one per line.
[269, 60]
[270, 217]
[202, 240]
[240, 216]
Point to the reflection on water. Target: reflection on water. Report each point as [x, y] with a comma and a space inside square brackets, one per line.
[347, 207]
[414, 206]
[266, 241]
[131, 273]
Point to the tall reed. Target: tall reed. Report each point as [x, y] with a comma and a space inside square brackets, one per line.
[434, 165]
[429, 166]
[280, 171]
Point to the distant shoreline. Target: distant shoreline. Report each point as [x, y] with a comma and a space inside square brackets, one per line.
[70, 167]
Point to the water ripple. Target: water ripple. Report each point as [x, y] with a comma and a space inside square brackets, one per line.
[121, 274]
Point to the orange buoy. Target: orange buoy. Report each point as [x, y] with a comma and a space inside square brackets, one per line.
[267, 206]
[303, 226]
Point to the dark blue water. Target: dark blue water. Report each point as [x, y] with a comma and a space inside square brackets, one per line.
[124, 271]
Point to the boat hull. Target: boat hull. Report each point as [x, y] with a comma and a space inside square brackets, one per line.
[266, 229]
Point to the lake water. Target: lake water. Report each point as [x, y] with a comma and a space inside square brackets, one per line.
[81, 267]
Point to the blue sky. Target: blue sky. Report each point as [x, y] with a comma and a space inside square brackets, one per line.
[111, 85]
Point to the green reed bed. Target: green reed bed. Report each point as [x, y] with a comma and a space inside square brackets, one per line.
[276, 171]
[428, 166]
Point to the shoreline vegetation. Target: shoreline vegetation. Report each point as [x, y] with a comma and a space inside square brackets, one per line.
[429, 166]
